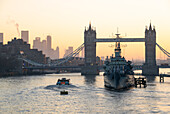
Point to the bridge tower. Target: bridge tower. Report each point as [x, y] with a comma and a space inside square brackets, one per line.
[150, 67]
[90, 67]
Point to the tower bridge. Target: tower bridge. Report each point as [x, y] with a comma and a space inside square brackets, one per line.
[90, 68]
[90, 40]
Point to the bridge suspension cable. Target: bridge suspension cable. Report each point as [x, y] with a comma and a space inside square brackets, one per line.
[32, 62]
[65, 59]
[73, 54]
[163, 50]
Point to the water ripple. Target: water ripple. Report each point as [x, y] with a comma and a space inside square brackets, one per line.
[39, 94]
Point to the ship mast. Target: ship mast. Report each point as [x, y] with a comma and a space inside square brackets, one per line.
[117, 46]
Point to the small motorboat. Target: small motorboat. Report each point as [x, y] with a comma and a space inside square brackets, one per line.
[63, 81]
[64, 92]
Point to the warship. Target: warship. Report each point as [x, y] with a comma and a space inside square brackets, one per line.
[118, 73]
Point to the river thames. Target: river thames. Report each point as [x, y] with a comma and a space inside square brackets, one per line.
[87, 94]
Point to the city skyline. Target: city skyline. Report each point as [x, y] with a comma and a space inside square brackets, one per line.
[56, 18]
[25, 36]
[45, 47]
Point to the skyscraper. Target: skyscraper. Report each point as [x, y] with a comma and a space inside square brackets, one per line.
[25, 36]
[44, 46]
[57, 53]
[48, 42]
[36, 43]
[68, 51]
[1, 38]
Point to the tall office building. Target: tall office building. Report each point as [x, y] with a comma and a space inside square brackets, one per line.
[1, 38]
[25, 36]
[36, 43]
[68, 51]
[48, 42]
[57, 53]
[44, 46]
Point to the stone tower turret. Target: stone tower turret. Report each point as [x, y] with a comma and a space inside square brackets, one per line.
[90, 51]
[150, 67]
[90, 46]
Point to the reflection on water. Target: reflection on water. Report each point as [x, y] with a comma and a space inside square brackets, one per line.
[86, 94]
[150, 78]
[90, 79]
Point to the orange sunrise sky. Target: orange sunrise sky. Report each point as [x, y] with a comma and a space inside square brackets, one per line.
[65, 21]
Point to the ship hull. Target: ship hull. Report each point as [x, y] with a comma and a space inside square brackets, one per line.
[118, 81]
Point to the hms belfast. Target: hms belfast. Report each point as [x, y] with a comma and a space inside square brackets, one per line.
[118, 72]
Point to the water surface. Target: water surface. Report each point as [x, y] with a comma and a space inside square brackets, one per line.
[87, 94]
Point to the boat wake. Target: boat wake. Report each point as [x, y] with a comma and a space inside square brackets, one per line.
[60, 87]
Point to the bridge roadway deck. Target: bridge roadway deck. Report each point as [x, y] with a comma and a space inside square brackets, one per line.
[60, 67]
[161, 75]
[120, 40]
[51, 67]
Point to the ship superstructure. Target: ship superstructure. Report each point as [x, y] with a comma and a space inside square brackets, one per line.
[118, 72]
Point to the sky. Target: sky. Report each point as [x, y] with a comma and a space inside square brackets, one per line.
[65, 21]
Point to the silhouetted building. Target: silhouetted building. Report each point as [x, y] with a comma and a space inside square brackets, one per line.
[57, 53]
[1, 38]
[99, 61]
[18, 45]
[25, 36]
[36, 43]
[68, 51]
[102, 58]
[45, 47]
[16, 49]
[48, 42]
[74, 61]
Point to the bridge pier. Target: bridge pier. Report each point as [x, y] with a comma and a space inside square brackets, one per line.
[150, 70]
[150, 67]
[90, 67]
[89, 70]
